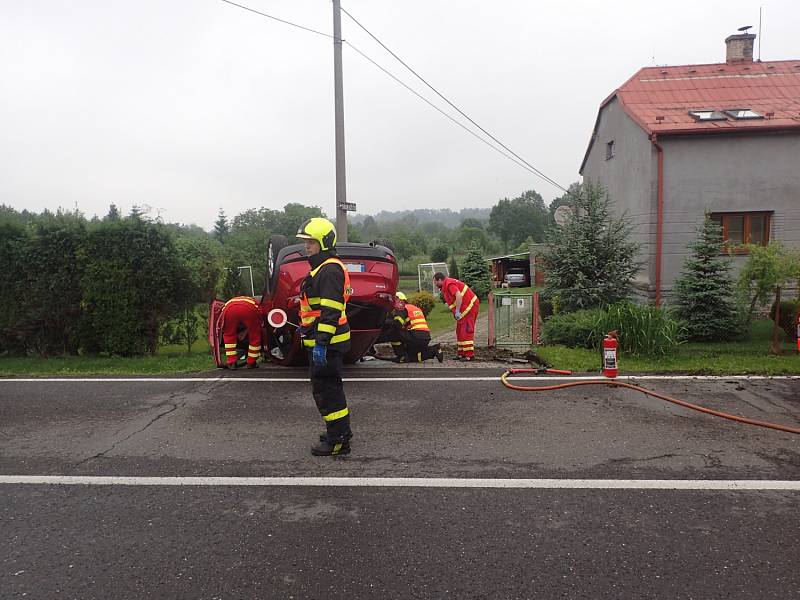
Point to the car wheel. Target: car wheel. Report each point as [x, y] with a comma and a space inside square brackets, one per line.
[274, 246]
[384, 242]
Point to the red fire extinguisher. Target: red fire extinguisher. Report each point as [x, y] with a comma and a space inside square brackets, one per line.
[610, 345]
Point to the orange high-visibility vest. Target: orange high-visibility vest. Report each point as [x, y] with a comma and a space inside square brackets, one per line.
[416, 319]
[311, 308]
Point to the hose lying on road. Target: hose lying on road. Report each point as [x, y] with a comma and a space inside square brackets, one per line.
[613, 382]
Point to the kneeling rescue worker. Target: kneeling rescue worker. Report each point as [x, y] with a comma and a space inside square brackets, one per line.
[241, 317]
[326, 334]
[413, 333]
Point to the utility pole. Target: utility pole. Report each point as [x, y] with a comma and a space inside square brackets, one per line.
[338, 94]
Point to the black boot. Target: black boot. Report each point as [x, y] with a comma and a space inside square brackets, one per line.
[329, 448]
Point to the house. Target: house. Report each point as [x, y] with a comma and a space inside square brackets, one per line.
[674, 142]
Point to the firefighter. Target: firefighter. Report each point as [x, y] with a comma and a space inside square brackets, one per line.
[413, 333]
[465, 305]
[326, 334]
[241, 318]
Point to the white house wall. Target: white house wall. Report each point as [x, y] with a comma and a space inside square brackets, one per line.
[727, 173]
[629, 178]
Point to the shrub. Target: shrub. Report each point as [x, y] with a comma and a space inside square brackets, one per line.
[425, 301]
[13, 243]
[547, 306]
[53, 269]
[130, 285]
[643, 329]
[788, 317]
[439, 254]
[577, 329]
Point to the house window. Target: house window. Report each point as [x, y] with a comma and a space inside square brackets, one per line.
[743, 228]
[743, 113]
[610, 150]
[707, 115]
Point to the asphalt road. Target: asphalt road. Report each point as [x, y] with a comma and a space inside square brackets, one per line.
[297, 541]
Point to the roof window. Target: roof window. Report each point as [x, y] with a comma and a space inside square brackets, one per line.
[707, 115]
[743, 113]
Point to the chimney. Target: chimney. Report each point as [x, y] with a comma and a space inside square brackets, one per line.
[739, 48]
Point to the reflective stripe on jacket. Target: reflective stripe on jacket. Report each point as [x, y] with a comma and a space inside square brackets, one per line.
[245, 299]
[414, 319]
[468, 297]
[323, 304]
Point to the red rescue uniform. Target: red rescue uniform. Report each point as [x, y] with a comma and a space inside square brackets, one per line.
[470, 305]
[241, 310]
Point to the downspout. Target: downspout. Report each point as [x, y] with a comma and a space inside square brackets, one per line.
[659, 214]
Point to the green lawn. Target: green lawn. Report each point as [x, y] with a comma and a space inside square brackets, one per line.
[749, 357]
[170, 359]
[739, 358]
[408, 284]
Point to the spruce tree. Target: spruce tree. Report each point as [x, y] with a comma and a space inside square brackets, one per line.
[221, 227]
[475, 271]
[453, 267]
[704, 296]
[591, 260]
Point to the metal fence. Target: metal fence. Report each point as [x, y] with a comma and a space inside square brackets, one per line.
[511, 323]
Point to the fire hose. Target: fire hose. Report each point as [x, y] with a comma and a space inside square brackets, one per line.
[612, 382]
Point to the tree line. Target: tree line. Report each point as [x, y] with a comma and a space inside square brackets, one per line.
[125, 284]
[122, 285]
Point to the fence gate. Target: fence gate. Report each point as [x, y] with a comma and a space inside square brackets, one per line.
[511, 323]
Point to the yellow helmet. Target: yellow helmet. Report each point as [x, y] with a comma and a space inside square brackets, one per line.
[319, 229]
[401, 296]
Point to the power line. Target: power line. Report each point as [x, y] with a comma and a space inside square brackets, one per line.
[517, 160]
[277, 19]
[462, 113]
[424, 99]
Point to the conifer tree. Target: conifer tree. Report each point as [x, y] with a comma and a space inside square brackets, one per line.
[475, 271]
[704, 297]
[221, 227]
[590, 261]
[453, 266]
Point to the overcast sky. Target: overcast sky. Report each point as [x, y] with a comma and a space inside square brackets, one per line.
[187, 106]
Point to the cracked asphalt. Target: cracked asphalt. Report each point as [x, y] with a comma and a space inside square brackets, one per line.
[319, 542]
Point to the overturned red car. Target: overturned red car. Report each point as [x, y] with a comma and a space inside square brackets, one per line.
[373, 277]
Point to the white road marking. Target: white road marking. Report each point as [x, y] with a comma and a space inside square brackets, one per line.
[383, 379]
[547, 484]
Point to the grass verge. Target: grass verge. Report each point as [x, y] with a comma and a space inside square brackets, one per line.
[169, 360]
[750, 357]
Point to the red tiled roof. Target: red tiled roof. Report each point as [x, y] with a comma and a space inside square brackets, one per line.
[671, 92]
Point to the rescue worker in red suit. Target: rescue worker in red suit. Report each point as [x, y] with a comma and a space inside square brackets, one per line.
[326, 333]
[465, 305]
[241, 317]
[411, 335]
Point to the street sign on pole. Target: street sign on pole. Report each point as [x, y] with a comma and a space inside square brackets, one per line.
[346, 206]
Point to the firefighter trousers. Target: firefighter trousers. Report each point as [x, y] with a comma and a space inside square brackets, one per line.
[417, 346]
[465, 332]
[328, 391]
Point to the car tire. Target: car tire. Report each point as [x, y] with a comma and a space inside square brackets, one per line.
[383, 242]
[274, 246]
